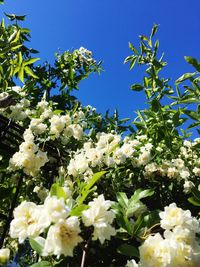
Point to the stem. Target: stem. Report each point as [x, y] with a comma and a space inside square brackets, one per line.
[84, 254]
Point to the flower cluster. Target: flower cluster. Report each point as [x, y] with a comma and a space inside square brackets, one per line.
[178, 247]
[173, 169]
[57, 126]
[184, 167]
[31, 220]
[30, 157]
[45, 126]
[85, 55]
[108, 151]
[18, 111]
[100, 217]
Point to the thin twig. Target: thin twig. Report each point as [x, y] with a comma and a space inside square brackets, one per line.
[84, 255]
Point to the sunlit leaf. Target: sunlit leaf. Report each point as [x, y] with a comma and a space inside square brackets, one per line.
[57, 191]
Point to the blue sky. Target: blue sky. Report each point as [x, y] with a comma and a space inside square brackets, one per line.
[106, 27]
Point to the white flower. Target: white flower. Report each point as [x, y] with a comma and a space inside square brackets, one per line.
[107, 142]
[156, 251]
[171, 172]
[187, 143]
[131, 263]
[196, 171]
[99, 216]
[146, 147]
[29, 157]
[76, 131]
[173, 216]
[62, 238]
[29, 221]
[28, 135]
[4, 255]
[188, 185]
[150, 169]
[47, 113]
[77, 165]
[181, 235]
[141, 137]
[55, 209]
[57, 125]
[95, 156]
[103, 231]
[109, 161]
[178, 163]
[37, 126]
[42, 104]
[184, 174]
[127, 150]
[118, 156]
[144, 158]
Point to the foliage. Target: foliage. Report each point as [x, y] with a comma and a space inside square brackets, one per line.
[84, 189]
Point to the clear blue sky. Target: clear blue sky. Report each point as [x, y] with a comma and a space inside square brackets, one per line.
[106, 27]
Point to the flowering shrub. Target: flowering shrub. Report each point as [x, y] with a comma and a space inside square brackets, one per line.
[82, 189]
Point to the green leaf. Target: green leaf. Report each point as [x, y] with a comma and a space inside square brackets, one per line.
[15, 17]
[133, 61]
[196, 193]
[155, 105]
[145, 220]
[176, 119]
[133, 48]
[128, 250]
[30, 72]
[122, 199]
[188, 100]
[194, 201]
[87, 189]
[140, 193]
[128, 59]
[144, 38]
[192, 125]
[193, 62]
[146, 82]
[14, 37]
[58, 191]
[185, 76]
[21, 74]
[42, 264]
[136, 87]
[77, 211]
[31, 61]
[71, 73]
[152, 218]
[94, 179]
[154, 30]
[139, 224]
[36, 245]
[20, 59]
[193, 115]
[133, 206]
[57, 111]
[15, 47]
[156, 45]
[124, 120]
